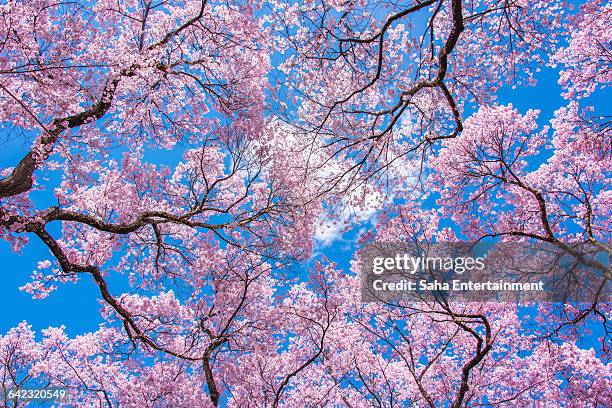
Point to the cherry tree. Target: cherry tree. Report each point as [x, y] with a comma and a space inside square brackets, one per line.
[182, 156]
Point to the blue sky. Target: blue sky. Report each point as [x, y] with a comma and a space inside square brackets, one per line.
[76, 305]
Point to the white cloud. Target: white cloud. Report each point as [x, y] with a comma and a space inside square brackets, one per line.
[332, 226]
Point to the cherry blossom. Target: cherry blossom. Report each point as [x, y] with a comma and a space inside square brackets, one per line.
[191, 160]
